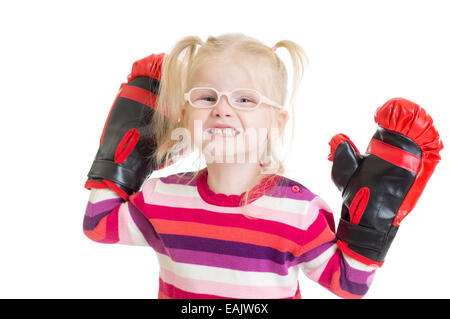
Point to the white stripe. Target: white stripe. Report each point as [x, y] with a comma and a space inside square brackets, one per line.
[357, 264]
[319, 260]
[129, 233]
[178, 189]
[100, 194]
[229, 276]
[285, 204]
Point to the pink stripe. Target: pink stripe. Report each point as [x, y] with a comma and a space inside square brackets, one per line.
[225, 289]
[298, 220]
[124, 234]
[318, 204]
[220, 219]
[148, 189]
[173, 292]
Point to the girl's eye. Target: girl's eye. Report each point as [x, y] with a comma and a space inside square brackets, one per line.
[244, 100]
[209, 99]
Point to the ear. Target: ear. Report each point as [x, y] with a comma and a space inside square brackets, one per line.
[282, 119]
[282, 116]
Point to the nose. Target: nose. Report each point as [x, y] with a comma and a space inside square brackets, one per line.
[223, 107]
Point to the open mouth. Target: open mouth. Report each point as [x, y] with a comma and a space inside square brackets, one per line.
[223, 132]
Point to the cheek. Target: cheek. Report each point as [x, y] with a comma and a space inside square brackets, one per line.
[195, 123]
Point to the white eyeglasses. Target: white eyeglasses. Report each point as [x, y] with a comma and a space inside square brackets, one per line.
[243, 99]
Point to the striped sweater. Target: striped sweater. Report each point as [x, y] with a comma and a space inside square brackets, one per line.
[208, 247]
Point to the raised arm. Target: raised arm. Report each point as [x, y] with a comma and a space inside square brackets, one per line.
[110, 220]
[381, 187]
[125, 159]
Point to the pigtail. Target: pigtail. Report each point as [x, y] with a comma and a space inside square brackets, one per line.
[299, 61]
[171, 96]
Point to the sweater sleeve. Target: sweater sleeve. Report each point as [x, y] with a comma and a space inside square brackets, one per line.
[109, 219]
[323, 262]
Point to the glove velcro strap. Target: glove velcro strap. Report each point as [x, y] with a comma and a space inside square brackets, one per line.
[124, 177]
[361, 237]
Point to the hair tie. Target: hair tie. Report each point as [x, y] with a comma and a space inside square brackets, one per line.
[274, 48]
[201, 42]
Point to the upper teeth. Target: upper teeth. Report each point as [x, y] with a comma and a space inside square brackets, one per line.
[229, 131]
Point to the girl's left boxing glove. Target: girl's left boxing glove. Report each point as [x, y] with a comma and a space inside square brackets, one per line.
[382, 186]
[124, 158]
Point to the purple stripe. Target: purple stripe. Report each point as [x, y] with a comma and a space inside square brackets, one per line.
[146, 229]
[311, 254]
[348, 273]
[229, 248]
[96, 212]
[89, 223]
[226, 261]
[179, 179]
[100, 207]
[283, 189]
[356, 275]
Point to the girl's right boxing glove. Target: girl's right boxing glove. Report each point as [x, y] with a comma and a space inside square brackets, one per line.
[382, 186]
[124, 158]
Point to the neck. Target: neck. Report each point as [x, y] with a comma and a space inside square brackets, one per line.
[233, 179]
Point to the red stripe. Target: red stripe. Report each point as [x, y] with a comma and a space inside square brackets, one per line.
[139, 95]
[394, 155]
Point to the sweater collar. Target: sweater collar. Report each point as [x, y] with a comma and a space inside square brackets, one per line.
[220, 199]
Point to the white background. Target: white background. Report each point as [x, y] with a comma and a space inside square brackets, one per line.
[62, 64]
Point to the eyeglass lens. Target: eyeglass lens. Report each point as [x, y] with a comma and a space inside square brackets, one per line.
[238, 98]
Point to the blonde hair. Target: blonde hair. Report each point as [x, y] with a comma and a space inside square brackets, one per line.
[186, 57]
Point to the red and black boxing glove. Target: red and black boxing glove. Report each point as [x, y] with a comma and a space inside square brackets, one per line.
[382, 186]
[124, 158]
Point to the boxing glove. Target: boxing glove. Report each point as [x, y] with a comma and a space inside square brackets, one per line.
[381, 187]
[124, 158]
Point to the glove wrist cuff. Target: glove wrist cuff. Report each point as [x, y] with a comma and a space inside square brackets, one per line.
[128, 180]
[343, 246]
[369, 243]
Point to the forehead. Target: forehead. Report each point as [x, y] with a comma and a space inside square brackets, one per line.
[226, 75]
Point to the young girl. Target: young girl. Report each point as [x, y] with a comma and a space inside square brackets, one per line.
[237, 228]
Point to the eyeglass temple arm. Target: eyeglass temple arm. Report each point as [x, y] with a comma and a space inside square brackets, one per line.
[270, 102]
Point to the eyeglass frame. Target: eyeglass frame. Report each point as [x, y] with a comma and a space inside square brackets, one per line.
[262, 99]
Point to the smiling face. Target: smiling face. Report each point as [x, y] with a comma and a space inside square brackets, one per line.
[253, 125]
